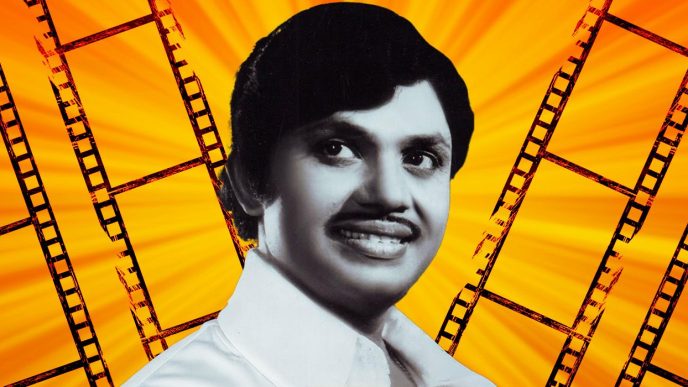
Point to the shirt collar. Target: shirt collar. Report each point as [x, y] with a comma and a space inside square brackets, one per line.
[291, 339]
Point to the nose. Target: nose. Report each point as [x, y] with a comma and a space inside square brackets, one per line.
[384, 187]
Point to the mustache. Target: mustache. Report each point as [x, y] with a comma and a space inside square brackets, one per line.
[365, 216]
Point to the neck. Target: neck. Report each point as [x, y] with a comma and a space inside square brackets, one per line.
[368, 324]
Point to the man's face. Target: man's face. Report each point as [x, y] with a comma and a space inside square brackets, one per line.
[362, 200]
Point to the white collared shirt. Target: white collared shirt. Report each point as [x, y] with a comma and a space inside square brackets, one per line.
[272, 334]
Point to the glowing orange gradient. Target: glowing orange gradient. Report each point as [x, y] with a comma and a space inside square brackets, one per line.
[506, 51]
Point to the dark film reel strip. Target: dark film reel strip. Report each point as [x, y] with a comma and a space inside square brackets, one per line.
[533, 151]
[663, 305]
[42, 219]
[103, 193]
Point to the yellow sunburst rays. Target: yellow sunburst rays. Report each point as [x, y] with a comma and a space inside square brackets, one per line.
[506, 52]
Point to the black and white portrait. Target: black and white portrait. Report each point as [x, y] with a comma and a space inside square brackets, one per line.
[347, 128]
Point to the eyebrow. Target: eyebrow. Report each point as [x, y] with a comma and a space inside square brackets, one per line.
[426, 141]
[332, 126]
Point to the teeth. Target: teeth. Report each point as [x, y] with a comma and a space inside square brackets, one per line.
[387, 239]
[371, 237]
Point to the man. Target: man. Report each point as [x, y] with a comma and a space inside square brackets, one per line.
[347, 129]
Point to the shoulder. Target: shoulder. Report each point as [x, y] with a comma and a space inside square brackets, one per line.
[204, 358]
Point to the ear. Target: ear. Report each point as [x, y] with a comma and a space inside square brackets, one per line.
[240, 186]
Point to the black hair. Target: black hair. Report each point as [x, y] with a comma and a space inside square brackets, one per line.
[330, 58]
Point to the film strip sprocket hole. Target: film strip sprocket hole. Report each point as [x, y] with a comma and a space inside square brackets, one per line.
[662, 307]
[532, 153]
[42, 219]
[102, 192]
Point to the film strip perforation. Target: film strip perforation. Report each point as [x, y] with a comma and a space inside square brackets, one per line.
[196, 104]
[656, 320]
[629, 225]
[533, 151]
[98, 184]
[61, 271]
[640, 199]
[520, 178]
[103, 194]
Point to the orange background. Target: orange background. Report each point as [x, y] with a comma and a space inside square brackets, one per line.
[506, 51]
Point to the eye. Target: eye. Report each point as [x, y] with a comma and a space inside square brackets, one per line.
[337, 150]
[421, 160]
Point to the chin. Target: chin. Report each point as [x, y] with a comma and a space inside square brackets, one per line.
[369, 308]
[371, 293]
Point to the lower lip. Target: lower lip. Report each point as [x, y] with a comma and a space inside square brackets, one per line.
[374, 249]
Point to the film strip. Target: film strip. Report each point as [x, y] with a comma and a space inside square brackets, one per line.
[655, 323]
[533, 151]
[42, 219]
[103, 193]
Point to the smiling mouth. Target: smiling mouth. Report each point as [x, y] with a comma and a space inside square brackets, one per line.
[377, 239]
[373, 245]
[352, 235]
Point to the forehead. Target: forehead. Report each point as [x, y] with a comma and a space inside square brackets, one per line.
[413, 111]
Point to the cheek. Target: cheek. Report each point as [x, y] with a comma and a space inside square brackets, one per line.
[308, 198]
[310, 194]
[313, 192]
[432, 201]
[434, 210]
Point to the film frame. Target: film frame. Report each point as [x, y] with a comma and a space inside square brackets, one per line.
[103, 194]
[42, 219]
[627, 191]
[533, 151]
